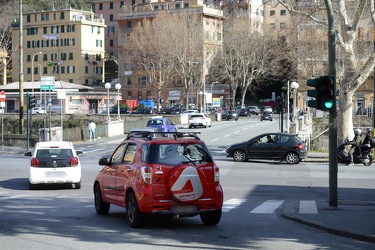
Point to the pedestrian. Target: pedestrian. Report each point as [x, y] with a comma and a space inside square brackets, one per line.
[92, 127]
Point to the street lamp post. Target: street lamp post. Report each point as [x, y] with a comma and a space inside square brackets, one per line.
[212, 95]
[200, 94]
[294, 86]
[32, 71]
[108, 86]
[118, 87]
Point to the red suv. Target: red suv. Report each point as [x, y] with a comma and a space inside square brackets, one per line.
[174, 175]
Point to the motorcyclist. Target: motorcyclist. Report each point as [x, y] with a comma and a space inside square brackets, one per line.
[355, 142]
[366, 143]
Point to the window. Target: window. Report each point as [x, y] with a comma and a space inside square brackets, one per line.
[129, 154]
[55, 70]
[110, 43]
[111, 17]
[121, 3]
[86, 56]
[45, 70]
[86, 69]
[45, 57]
[186, 5]
[44, 30]
[54, 29]
[177, 5]
[62, 69]
[272, 26]
[28, 71]
[28, 18]
[28, 58]
[156, 7]
[62, 15]
[272, 12]
[70, 56]
[70, 69]
[111, 29]
[63, 56]
[130, 95]
[129, 24]
[98, 30]
[282, 12]
[100, 6]
[282, 26]
[110, 5]
[71, 41]
[62, 28]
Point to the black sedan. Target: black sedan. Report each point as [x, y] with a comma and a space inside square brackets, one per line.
[270, 146]
[244, 112]
[229, 114]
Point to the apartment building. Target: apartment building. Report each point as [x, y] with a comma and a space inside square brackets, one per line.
[67, 44]
[122, 16]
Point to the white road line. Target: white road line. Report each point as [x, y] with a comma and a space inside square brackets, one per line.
[236, 132]
[267, 207]
[232, 203]
[227, 135]
[214, 140]
[244, 128]
[307, 207]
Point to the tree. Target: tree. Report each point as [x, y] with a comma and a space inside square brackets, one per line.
[354, 24]
[151, 59]
[246, 59]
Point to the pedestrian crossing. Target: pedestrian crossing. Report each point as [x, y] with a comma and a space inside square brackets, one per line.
[270, 206]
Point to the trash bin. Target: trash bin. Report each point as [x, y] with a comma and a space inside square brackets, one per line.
[218, 117]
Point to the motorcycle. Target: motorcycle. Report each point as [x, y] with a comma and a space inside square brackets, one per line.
[343, 155]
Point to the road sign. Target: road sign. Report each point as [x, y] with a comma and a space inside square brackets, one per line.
[47, 83]
[2, 96]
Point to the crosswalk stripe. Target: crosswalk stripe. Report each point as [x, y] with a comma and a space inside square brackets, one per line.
[267, 207]
[232, 203]
[307, 207]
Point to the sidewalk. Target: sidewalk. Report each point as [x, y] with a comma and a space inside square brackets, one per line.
[351, 218]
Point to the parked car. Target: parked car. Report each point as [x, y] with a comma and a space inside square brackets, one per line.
[190, 111]
[164, 124]
[254, 110]
[38, 110]
[229, 114]
[199, 120]
[244, 112]
[266, 115]
[278, 146]
[171, 176]
[115, 111]
[54, 162]
[177, 111]
[143, 111]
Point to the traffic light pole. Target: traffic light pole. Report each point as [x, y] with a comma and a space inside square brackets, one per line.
[333, 112]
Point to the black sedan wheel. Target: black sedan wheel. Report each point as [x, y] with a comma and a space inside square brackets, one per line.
[292, 158]
[239, 155]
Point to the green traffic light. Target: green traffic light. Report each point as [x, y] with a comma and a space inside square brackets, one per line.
[328, 104]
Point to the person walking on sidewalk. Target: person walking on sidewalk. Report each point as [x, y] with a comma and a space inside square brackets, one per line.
[92, 127]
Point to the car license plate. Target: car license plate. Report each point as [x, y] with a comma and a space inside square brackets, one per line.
[183, 209]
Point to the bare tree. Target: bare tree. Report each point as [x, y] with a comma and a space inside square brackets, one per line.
[247, 57]
[186, 31]
[147, 50]
[351, 18]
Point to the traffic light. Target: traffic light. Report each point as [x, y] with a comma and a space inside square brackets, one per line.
[279, 103]
[30, 101]
[315, 93]
[328, 93]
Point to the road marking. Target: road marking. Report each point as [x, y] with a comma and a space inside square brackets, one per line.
[227, 135]
[267, 207]
[244, 128]
[236, 132]
[214, 140]
[307, 207]
[232, 203]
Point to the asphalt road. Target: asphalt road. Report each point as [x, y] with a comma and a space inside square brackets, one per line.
[254, 195]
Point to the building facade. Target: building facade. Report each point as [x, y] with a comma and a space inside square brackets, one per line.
[67, 44]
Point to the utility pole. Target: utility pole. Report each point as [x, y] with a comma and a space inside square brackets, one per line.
[333, 112]
[21, 101]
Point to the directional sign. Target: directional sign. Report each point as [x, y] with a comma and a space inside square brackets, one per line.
[47, 83]
[2, 96]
